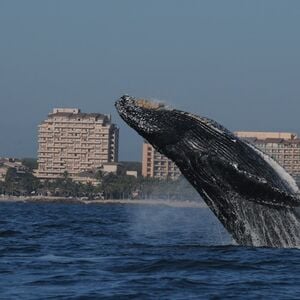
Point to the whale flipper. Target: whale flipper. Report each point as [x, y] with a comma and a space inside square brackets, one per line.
[249, 185]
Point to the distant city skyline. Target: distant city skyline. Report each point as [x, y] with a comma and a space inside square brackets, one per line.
[234, 61]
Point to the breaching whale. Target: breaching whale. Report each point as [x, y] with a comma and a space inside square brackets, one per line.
[254, 198]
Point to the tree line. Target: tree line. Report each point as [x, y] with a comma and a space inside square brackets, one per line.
[109, 186]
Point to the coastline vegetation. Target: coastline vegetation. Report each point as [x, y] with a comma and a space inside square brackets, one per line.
[109, 186]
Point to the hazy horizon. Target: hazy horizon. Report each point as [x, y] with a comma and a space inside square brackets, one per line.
[234, 61]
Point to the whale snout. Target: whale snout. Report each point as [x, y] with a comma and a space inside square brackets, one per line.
[129, 103]
[138, 113]
[122, 103]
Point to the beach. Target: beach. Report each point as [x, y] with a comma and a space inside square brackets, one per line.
[51, 199]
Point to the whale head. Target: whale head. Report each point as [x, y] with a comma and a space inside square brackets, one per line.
[169, 129]
[151, 120]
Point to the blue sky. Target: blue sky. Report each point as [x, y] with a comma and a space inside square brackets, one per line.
[237, 62]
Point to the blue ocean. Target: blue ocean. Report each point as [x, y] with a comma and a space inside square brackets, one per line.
[127, 251]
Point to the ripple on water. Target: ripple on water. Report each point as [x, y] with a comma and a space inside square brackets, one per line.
[57, 251]
[8, 233]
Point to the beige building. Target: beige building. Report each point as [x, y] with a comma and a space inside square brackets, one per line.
[265, 135]
[111, 167]
[76, 142]
[282, 147]
[132, 173]
[6, 163]
[157, 165]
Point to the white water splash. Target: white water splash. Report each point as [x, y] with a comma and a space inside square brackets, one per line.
[275, 228]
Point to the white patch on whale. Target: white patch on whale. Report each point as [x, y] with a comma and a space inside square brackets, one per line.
[284, 175]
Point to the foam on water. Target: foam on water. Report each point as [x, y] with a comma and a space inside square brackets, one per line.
[269, 226]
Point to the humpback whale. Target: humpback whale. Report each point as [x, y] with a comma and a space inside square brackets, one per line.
[254, 198]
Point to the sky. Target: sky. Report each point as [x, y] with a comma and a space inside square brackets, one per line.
[237, 62]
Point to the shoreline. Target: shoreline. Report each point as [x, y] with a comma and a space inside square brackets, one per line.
[63, 200]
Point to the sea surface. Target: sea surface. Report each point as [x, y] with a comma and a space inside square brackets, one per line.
[117, 251]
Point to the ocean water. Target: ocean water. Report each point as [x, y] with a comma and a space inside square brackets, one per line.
[114, 251]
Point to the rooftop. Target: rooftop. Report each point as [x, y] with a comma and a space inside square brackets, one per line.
[266, 134]
[73, 113]
[274, 141]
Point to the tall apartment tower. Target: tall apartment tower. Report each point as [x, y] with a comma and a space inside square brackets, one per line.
[76, 142]
[156, 165]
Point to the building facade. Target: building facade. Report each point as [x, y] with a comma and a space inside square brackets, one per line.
[156, 165]
[75, 142]
[7, 163]
[282, 147]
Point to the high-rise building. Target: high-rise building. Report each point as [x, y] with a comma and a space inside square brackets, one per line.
[284, 147]
[156, 165]
[76, 142]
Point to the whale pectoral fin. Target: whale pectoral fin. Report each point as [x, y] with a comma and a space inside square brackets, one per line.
[251, 187]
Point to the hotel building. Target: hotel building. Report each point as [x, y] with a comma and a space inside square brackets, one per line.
[76, 142]
[156, 165]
